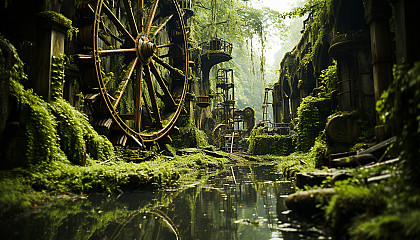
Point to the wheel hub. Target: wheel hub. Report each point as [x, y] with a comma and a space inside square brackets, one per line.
[145, 49]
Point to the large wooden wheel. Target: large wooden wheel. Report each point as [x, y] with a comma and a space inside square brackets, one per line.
[140, 67]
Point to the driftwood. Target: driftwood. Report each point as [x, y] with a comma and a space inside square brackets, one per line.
[353, 161]
[308, 201]
[388, 162]
[317, 178]
[379, 149]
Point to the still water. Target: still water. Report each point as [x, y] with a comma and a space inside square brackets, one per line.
[242, 202]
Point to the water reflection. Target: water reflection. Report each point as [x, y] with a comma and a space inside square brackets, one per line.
[239, 203]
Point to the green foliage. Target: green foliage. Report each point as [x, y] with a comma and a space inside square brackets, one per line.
[328, 78]
[310, 6]
[109, 176]
[240, 23]
[40, 126]
[198, 161]
[319, 150]
[55, 17]
[56, 131]
[57, 76]
[399, 108]
[16, 194]
[389, 227]
[190, 136]
[77, 136]
[351, 201]
[270, 144]
[320, 13]
[312, 116]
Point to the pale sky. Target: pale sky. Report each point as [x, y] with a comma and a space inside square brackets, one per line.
[281, 6]
[278, 5]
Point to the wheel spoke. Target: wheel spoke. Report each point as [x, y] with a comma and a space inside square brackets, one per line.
[114, 51]
[154, 33]
[162, 85]
[164, 56]
[165, 45]
[123, 84]
[138, 95]
[152, 95]
[168, 66]
[117, 22]
[151, 17]
[108, 32]
[141, 14]
[129, 10]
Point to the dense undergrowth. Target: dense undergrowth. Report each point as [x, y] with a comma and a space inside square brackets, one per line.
[63, 154]
[361, 209]
[388, 209]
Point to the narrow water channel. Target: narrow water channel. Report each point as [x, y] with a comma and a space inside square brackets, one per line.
[245, 202]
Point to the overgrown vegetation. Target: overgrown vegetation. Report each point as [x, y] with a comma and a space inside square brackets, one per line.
[349, 202]
[312, 117]
[363, 209]
[58, 139]
[399, 109]
[261, 143]
[190, 136]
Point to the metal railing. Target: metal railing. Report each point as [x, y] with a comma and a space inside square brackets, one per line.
[216, 45]
[185, 4]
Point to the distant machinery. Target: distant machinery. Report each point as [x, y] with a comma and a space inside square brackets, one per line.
[234, 125]
[265, 105]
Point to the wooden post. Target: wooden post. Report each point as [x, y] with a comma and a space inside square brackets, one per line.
[52, 31]
[378, 13]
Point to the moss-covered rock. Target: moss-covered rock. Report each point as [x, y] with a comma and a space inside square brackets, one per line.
[312, 117]
[281, 145]
[349, 202]
[189, 136]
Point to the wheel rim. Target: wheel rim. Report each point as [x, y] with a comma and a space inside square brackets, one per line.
[148, 38]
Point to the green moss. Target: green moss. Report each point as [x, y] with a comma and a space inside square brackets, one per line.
[109, 176]
[399, 108]
[16, 195]
[56, 131]
[56, 18]
[57, 76]
[198, 161]
[77, 136]
[312, 117]
[190, 136]
[42, 142]
[349, 202]
[270, 144]
[388, 227]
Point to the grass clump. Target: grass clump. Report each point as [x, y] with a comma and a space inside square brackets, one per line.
[349, 202]
[112, 176]
[391, 226]
[16, 195]
[199, 161]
